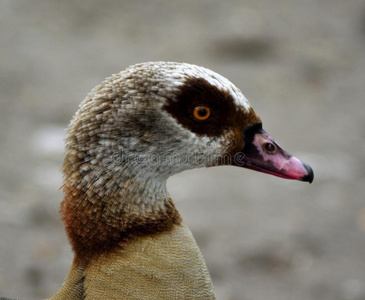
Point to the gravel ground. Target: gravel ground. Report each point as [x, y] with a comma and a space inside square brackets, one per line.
[301, 64]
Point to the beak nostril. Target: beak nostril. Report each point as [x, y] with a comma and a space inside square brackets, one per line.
[269, 148]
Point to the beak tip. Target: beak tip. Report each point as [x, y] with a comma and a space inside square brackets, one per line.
[310, 175]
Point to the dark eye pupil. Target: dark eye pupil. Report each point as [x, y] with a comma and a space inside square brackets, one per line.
[202, 112]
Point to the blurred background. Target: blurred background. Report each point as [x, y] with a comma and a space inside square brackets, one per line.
[302, 66]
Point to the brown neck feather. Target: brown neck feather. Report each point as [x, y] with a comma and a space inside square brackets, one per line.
[99, 225]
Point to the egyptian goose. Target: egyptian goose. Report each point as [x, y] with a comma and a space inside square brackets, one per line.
[130, 134]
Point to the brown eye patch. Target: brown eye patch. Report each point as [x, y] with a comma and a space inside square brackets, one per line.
[197, 92]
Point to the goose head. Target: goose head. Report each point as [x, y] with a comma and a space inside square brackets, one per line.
[143, 125]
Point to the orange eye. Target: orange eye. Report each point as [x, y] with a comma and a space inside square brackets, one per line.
[202, 112]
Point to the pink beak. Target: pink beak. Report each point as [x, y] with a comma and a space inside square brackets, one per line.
[263, 154]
